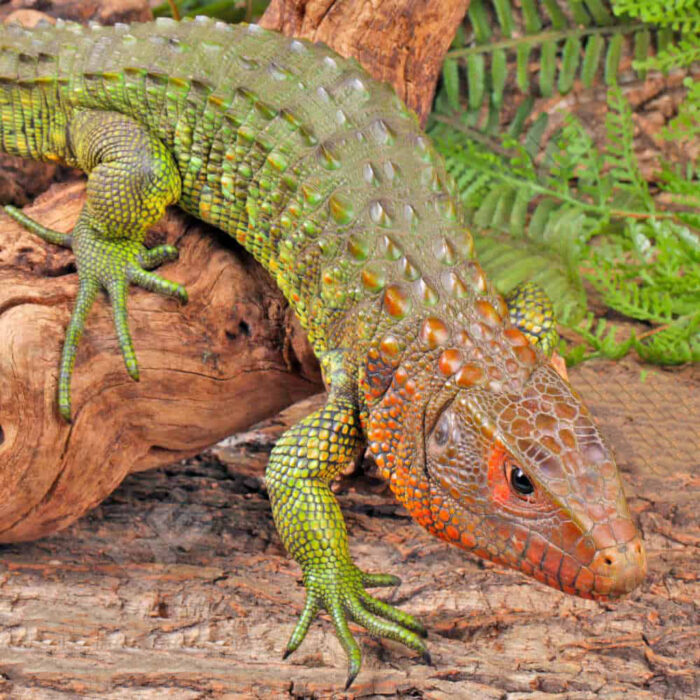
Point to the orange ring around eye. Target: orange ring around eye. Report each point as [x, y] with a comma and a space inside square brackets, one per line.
[498, 484]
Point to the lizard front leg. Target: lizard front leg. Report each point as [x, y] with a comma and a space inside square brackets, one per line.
[531, 311]
[303, 463]
[131, 179]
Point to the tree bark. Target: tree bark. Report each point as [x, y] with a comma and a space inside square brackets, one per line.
[233, 356]
[402, 42]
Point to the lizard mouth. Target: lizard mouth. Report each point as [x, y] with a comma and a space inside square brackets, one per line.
[611, 572]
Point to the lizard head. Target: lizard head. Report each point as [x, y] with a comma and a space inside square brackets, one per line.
[522, 478]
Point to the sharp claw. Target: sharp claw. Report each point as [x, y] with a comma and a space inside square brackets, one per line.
[345, 599]
[130, 361]
[287, 653]
[64, 411]
[302, 626]
[353, 670]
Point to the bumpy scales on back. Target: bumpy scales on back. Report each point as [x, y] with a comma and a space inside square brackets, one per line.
[325, 177]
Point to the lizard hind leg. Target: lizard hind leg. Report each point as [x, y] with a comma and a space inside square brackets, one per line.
[132, 177]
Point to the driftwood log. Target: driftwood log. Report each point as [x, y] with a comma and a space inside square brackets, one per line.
[232, 356]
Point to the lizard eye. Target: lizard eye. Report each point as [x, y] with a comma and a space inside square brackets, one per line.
[519, 481]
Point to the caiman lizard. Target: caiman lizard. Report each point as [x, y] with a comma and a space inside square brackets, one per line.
[324, 175]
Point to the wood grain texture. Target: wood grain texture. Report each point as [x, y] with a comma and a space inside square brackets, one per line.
[177, 585]
[232, 356]
[402, 42]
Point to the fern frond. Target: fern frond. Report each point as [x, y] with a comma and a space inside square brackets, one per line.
[680, 15]
[620, 154]
[651, 273]
[556, 208]
[682, 185]
[540, 47]
[581, 215]
[672, 345]
[685, 126]
[604, 340]
[682, 53]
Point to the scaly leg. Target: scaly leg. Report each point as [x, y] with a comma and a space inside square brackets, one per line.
[303, 463]
[531, 310]
[132, 178]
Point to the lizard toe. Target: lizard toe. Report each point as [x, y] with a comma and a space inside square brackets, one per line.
[379, 627]
[158, 284]
[389, 612]
[311, 608]
[153, 257]
[380, 580]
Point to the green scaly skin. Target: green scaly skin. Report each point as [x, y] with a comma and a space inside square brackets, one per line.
[325, 177]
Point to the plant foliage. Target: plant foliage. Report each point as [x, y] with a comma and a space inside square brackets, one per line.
[681, 15]
[559, 210]
[227, 10]
[547, 45]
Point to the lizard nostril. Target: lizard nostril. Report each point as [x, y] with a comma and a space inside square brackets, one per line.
[619, 569]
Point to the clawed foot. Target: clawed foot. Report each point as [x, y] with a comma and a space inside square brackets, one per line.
[112, 264]
[342, 593]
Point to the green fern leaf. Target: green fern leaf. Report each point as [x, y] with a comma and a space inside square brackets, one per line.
[450, 78]
[612, 59]
[558, 209]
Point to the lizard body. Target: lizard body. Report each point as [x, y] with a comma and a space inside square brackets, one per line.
[325, 177]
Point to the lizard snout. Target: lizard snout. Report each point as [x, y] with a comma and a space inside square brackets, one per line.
[619, 569]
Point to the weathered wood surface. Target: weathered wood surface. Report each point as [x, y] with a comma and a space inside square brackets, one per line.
[229, 358]
[177, 586]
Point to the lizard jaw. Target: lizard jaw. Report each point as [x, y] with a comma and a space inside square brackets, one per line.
[601, 570]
